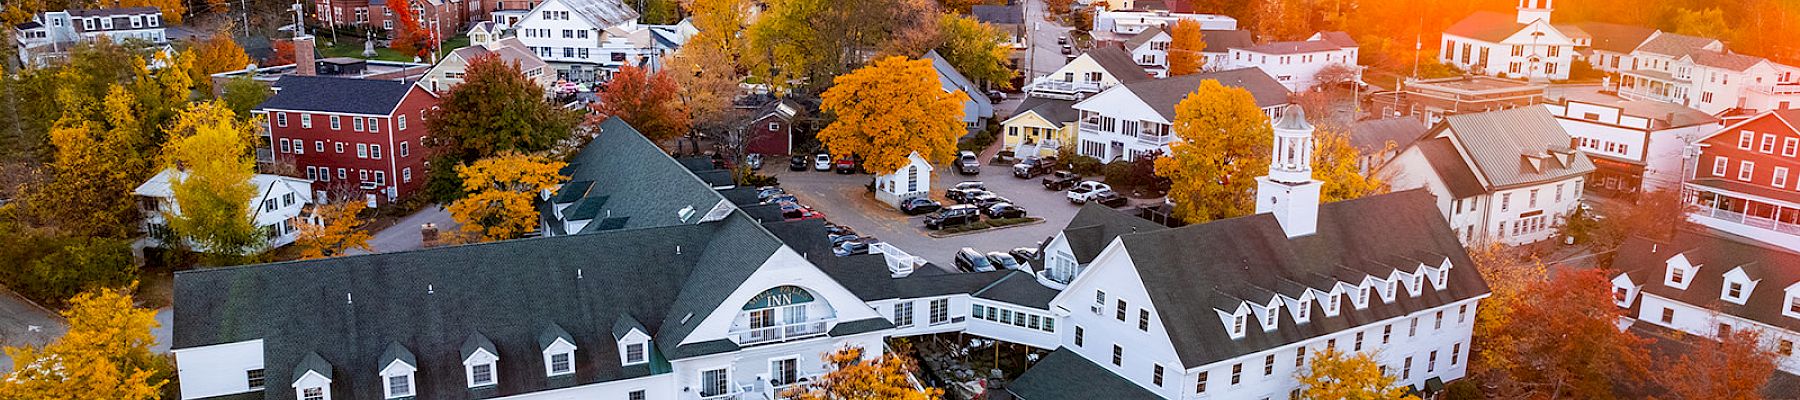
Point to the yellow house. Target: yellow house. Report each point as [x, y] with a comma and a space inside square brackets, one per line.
[1040, 127]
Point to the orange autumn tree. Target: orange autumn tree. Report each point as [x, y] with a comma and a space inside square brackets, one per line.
[1734, 367]
[1566, 340]
[282, 54]
[1185, 45]
[338, 229]
[648, 101]
[890, 109]
[887, 377]
[1336, 375]
[105, 355]
[500, 193]
[409, 36]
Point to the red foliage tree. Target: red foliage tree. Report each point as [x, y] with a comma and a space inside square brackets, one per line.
[1735, 367]
[1566, 339]
[409, 36]
[650, 102]
[283, 53]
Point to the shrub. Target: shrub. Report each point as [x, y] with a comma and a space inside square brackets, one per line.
[753, 179]
[1119, 175]
[1463, 389]
[1085, 165]
[51, 269]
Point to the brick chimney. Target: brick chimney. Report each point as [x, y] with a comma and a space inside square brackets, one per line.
[303, 56]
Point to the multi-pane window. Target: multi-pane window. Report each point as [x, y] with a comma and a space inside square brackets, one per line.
[1144, 320]
[312, 393]
[1414, 329]
[373, 126]
[1156, 374]
[254, 378]
[1768, 143]
[281, 119]
[1746, 170]
[1780, 178]
[1078, 335]
[1431, 361]
[1455, 353]
[481, 374]
[635, 395]
[335, 125]
[1357, 346]
[1505, 201]
[1668, 315]
[1734, 290]
[1200, 385]
[1269, 365]
[1439, 323]
[1121, 310]
[1406, 369]
[405, 149]
[713, 383]
[362, 150]
[940, 311]
[306, 120]
[1299, 357]
[1745, 139]
[1719, 164]
[375, 151]
[1118, 355]
[356, 124]
[560, 364]
[634, 353]
[399, 386]
[903, 313]
[1237, 373]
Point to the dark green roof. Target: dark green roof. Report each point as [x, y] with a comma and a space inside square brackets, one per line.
[1064, 375]
[640, 183]
[572, 191]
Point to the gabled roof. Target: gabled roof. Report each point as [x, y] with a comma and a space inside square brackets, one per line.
[625, 324]
[1674, 45]
[1144, 37]
[108, 12]
[1095, 226]
[552, 333]
[1374, 134]
[1018, 288]
[1486, 26]
[601, 14]
[1295, 47]
[1339, 38]
[1773, 269]
[396, 352]
[631, 178]
[1053, 378]
[1117, 62]
[1725, 60]
[476, 342]
[1615, 38]
[998, 14]
[1450, 168]
[311, 363]
[1190, 271]
[951, 79]
[337, 95]
[1057, 111]
[1224, 41]
[509, 50]
[1163, 94]
[1504, 144]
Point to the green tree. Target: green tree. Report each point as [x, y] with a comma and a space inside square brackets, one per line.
[660, 12]
[49, 268]
[801, 44]
[890, 109]
[1334, 375]
[1706, 23]
[105, 355]
[213, 152]
[495, 109]
[1224, 146]
[975, 49]
[1185, 45]
[243, 94]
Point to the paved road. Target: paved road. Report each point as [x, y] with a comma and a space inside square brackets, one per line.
[23, 323]
[404, 235]
[1042, 55]
[845, 201]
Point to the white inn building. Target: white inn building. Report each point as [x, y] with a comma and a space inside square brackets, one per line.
[1507, 176]
[661, 299]
[1708, 284]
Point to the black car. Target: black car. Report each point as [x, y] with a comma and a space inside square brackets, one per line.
[969, 260]
[919, 205]
[967, 196]
[962, 214]
[798, 163]
[1024, 254]
[1033, 166]
[834, 230]
[1004, 210]
[765, 192]
[1111, 199]
[1003, 260]
[986, 199]
[1061, 180]
[851, 248]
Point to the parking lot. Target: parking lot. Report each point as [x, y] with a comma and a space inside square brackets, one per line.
[846, 201]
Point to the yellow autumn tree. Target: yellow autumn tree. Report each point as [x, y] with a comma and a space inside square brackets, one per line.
[1225, 144]
[335, 229]
[172, 10]
[889, 109]
[1336, 162]
[105, 355]
[1510, 273]
[500, 190]
[887, 377]
[212, 150]
[1334, 375]
[1185, 45]
[707, 66]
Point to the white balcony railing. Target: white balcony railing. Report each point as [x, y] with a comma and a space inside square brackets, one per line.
[1154, 140]
[1057, 89]
[1749, 220]
[1787, 89]
[781, 333]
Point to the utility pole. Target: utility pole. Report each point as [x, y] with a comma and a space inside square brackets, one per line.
[331, 20]
[244, 11]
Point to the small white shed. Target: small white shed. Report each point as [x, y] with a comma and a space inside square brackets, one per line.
[912, 180]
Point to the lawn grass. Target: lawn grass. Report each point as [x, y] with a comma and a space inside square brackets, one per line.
[353, 48]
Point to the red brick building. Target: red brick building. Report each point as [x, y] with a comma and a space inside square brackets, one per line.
[1747, 178]
[361, 136]
[448, 16]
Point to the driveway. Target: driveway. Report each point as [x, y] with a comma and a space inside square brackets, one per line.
[404, 235]
[846, 201]
[23, 323]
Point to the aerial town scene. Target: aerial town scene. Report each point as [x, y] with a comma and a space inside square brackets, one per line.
[899, 199]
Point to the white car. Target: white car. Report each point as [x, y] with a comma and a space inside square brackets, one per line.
[822, 162]
[1084, 191]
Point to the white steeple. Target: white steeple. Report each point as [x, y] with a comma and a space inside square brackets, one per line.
[1289, 191]
[1534, 10]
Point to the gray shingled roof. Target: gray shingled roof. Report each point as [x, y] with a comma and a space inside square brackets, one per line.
[1163, 94]
[1502, 144]
[335, 94]
[1726, 60]
[1057, 111]
[350, 309]
[1374, 134]
[1190, 271]
[1117, 62]
[1295, 47]
[1018, 288]
[1143, 37]
[1095, 226]
[396, 352]
[1450, 168]
[998, 14]
[1772, 268]
[1051, 378]
[1674, 45]
[977, 105]
[1339, 38]
[1222, 41]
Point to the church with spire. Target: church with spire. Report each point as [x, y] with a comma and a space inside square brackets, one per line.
[1524, 45]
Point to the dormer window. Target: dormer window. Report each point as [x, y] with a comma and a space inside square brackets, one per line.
[558, 350]
[314, 378]
[1237, 325]
[1300, 313]
[1734, 291]
[1792, 309]
[1269, 322]
[1331, 308]
[634, 354]
[1362, 297]
[1393, 287]
[1738, 286]
[479, 360]
[634, 344]
[1418, 283]
[1677, 276]
[1443, 278]
[397, 368]
[399, 386]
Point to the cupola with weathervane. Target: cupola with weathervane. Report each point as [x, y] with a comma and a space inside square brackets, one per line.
[1289, 191]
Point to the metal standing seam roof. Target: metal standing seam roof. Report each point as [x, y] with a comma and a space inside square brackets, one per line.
[1192, 270]
[1500, 143]
[601, 14]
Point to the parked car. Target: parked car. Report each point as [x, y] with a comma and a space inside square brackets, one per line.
[1110, 198]
[967, 163]
[845, 166]
[754, 160]
[1082, 192]
[833, 229]
[1003, 260]
[968, 196]
[1060, 180]
[765, 192]
[797, 163]
[1004, 210]
[1024, 254]
[1063, 39]
[781, 198]
[996, 96]
[1068, 51]
[954, 193]
[822, 162]
[794, 211]
[1033, 166]
[986, 199]
[840, 239]
[956, 215]
[919, 205]
[970, 260]
[850, 248]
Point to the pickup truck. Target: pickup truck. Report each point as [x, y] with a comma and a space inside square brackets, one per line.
[1031, 167]
[968, 164]
[1060, 180]
[1084, 191]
